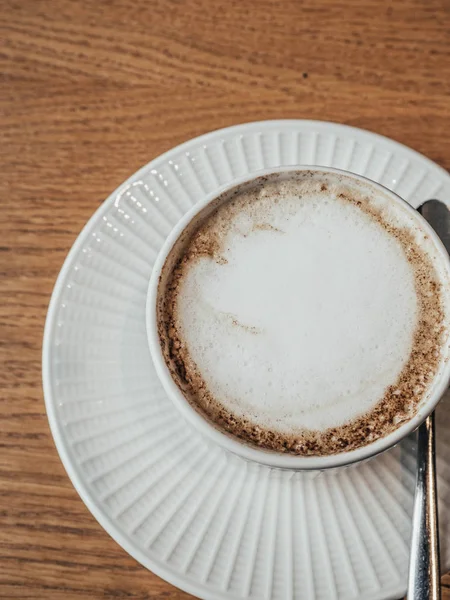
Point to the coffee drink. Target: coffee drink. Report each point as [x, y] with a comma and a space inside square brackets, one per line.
[305, 313]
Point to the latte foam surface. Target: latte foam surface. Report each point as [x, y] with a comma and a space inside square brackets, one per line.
[294, 311]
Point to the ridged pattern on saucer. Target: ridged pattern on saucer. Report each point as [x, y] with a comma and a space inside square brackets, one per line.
[207, 521]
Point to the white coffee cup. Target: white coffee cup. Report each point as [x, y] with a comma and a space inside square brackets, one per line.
[233, 444]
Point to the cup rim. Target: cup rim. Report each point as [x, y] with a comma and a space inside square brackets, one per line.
[231, 443]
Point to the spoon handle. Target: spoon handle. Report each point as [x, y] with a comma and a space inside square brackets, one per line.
[424, 568]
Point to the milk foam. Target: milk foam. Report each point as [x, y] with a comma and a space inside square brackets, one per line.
[308, 316]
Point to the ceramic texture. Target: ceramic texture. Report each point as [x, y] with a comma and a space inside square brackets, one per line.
[205, 520]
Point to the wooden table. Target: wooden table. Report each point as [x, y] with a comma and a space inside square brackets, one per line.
[91, 90]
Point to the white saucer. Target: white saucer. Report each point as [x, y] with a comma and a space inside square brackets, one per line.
[209, 522]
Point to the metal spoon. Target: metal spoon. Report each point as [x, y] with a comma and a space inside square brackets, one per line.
[424, 568]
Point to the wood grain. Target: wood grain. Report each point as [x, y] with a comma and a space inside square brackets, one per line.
[90, 91]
